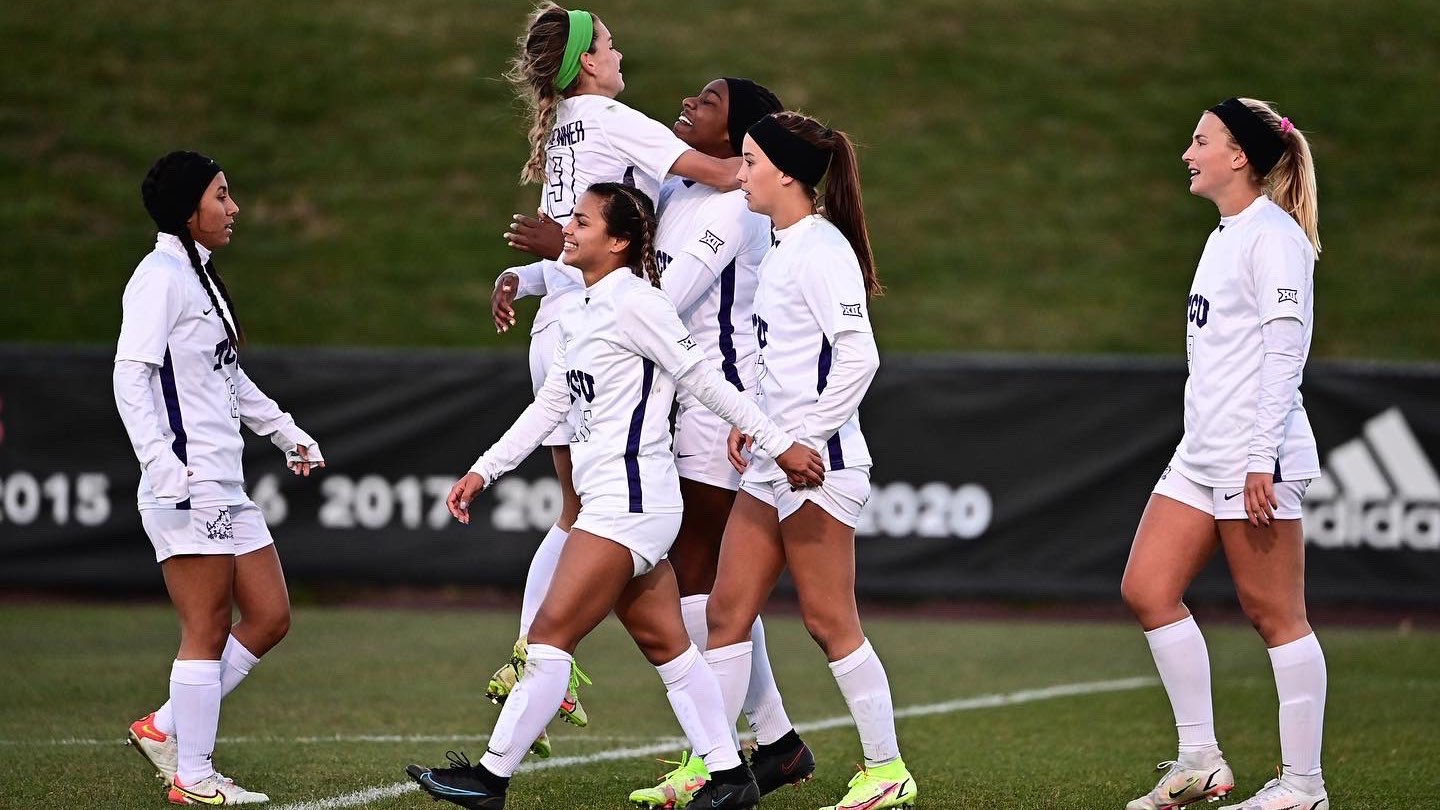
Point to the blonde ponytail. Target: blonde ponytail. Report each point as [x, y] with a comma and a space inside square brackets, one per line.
[1291, 183]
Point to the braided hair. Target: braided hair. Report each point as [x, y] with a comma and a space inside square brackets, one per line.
[171, 191]
[629, 214]
[540, 51]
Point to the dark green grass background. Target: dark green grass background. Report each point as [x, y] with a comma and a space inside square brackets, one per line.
[86, 672]
[1021, 157]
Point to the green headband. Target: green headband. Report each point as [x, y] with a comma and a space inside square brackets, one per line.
[582, 32]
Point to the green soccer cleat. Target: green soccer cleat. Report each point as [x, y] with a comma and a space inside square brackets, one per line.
[676, 788]
[570, 709]
[1182, 786]
[502, 683]
[541, 746]
[889, 785]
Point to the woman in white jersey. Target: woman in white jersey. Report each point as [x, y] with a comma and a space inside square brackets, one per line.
[567, 71]
[622, 354]
[817, 357]
[709, 247]
[1239, 474]
[183, 396]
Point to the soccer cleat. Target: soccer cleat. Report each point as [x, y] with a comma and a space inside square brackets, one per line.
[889, 785]
[158, 748]
[461, 783]
[733, 789]
[1181, 786]
[570, 709]
[505, 678]
[787, 761]
[541, 746]
[677, 788]
[214, 789]
[1276, 795]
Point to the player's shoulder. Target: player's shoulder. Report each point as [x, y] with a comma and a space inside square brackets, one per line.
[1273, 223]
[825, 244]
[159, 268]
[634, 294]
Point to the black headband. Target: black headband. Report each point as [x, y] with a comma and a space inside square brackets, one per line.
[1261, 144]
[789, 152]
[749, 102]
[173, 188]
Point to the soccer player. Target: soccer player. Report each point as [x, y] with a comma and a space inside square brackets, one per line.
[1241, 469]
[622, 354]
[183, 395]
[709, 247]
[567, 71]
[817, 357]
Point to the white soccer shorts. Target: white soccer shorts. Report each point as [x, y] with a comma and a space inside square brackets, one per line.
[648, 535]
[842, 496]
[700, 438]
[1227, 503]
[230, 530]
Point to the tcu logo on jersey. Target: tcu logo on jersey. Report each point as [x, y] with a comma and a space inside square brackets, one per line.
[224, 354]
[762, 330]
[1198, 310]
[582, 385]
[662, 261]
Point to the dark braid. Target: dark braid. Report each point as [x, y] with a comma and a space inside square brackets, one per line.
[634, 220]
[188, 241]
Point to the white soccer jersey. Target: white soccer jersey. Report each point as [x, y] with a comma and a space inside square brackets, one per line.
[1257, 266]
[199, 391]
[811, 289]
[597, 140]
[720, 243]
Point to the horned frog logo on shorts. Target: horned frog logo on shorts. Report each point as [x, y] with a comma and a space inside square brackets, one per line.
[220, 528]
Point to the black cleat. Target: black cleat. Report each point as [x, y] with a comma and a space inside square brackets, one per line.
[787, 761]
[732, 789]
[470, 786]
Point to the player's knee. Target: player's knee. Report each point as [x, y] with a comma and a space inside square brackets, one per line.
[830, 631]
[1144, 600]
[1275, 622]
[725, 625]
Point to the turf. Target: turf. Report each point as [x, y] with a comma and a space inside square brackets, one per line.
[81, 673]
[1020, 156]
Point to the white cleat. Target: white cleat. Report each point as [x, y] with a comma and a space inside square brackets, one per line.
[157, 747]
[1276, 795]
[214, 789]
[1181, 786]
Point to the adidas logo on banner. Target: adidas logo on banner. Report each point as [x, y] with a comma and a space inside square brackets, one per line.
[1379, 491]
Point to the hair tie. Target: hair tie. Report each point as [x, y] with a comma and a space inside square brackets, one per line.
[1285, 125]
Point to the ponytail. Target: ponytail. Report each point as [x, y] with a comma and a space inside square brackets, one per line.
[1291, 183]
[210, 280]
[541, 50]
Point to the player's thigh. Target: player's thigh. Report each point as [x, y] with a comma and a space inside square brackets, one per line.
[696, 552]
[820, 550]
[1267, 564]
[649, 608]
[590, 575]
[1174, 540]
[262, 599]
[200, 588]
[751, 560]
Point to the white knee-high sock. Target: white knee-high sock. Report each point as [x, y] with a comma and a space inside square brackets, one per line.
[195, 695]
[731, 666]
[238, 663]
[763, 706]
[695, 696]
[1184, 664]
[529, 709]
[542, 570]
[1300, 682]
[866, 690]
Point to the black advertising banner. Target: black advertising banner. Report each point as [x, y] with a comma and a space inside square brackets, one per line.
[1009, 477]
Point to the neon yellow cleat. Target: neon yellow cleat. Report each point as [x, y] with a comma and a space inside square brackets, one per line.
[889, 785]
[570, 709]
[676, 788]
[541, 746]
[505, 678]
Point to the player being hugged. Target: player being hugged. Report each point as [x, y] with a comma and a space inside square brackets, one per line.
[183, 396]
[567, 72]
[623, 352]
[709, 247]
[1240, 472]
[817, 357]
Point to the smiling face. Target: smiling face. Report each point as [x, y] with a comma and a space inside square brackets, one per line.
[1214, 160]
[587, 243]
[602, 65]
[214, 219]
[704, 122]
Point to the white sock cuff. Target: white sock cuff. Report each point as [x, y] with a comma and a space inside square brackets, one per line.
[1174, 633]
[196, 673]
[1302, 650]
[555, 533]
[694, 599]
[544, 652]
[848, 664]
[719, 654]
[237, 656]
[675, 670]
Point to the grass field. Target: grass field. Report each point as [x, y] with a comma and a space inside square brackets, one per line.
[1020, 156]
[355, 694]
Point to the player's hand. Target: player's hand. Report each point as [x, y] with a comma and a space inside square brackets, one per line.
[736, 448]
[802, 465]
[538, 235]
[502, 300]
[464, 491]
[303, 466]
[1260, 503]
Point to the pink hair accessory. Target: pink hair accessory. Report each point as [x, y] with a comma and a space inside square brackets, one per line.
[1285, 125]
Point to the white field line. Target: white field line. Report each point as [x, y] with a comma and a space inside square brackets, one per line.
[330, 738]
[660, 746]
